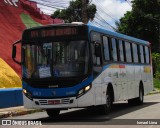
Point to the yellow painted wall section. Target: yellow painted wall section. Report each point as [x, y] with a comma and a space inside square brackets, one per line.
[8, 77]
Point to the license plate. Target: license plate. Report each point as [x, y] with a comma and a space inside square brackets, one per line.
[54, 102]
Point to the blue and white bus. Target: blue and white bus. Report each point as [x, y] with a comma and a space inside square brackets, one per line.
[75, 65]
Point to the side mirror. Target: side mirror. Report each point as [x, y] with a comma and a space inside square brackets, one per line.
[14, 49]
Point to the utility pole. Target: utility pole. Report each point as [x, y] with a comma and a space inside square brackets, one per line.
[84, 11]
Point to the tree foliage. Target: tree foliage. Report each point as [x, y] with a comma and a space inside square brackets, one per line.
[156, 65]
[143, 21]
[74, 12]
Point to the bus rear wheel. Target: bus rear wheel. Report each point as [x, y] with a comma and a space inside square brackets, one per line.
[53, 112]
[138, 100]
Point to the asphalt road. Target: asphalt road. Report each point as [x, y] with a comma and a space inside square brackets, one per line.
[122, 116]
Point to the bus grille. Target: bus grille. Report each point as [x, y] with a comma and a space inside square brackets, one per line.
[45, 102]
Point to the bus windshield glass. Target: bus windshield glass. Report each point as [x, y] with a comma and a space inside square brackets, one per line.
[55, 59]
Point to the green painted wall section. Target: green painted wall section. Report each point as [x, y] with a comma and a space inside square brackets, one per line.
[28, 21]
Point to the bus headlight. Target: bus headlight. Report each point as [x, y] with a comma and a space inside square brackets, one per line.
[27, 94]
[87, 88]
[25, 91]
[83, 90]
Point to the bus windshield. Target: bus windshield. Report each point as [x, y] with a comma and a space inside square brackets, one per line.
[55, 59]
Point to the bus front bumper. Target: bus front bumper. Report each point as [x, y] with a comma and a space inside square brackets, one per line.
[63, 103]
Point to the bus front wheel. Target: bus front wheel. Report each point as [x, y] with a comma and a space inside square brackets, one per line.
[53, 112]
[106, 108]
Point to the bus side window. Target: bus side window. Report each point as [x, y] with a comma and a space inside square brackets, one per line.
[106, 49]
[121, 50]
[141, 54]
[135, 52]
[147, 55]
[144, 53]
[96, 45]
[98, 53]
[128, 52]
[114, 49]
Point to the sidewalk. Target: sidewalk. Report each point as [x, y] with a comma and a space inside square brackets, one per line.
[20, 110]
[16, 111]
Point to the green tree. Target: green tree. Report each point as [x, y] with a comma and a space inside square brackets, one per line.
[143, 21]
[74, 12]
[156, 65]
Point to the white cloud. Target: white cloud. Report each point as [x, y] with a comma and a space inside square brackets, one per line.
[111, 10]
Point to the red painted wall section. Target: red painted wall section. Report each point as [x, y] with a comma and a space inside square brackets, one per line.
[11, 27]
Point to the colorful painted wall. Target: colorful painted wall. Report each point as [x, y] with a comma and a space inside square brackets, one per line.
[14, 18]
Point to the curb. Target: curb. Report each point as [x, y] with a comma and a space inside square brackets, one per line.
[19, 113]
[155, 91]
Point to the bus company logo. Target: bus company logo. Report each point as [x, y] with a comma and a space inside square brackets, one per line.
[54, 93]
[53, 86]
[6, 122]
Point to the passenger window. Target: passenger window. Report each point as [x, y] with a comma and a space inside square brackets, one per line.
[128, 52]
[95, 37]
[106, 48]
[141, 54]
[144, 54]
[147, 55]
[135, 52]
[121, 50]
[114, 49]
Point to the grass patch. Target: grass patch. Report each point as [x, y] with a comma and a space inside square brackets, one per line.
[156, 83]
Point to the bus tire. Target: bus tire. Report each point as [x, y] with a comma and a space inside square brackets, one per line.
[53, 112]
[138, 100]
[106, 108]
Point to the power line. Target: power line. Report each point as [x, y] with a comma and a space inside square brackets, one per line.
[50, 5]
[102, 8]
[103, 22]
[129, 2]
[54, 4]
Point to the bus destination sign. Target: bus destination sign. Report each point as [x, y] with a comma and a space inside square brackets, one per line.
[54, 32]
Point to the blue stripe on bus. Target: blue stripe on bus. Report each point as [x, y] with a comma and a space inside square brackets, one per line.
[58, 92]
[100, 30]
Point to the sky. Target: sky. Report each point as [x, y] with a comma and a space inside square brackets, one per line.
[111, 10]
[108, 11]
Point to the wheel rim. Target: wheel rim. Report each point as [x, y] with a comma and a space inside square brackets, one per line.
[141, 95]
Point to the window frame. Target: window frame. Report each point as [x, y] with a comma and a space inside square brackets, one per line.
[123, 41]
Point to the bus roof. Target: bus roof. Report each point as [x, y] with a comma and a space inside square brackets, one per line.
[53, 25]
[118, 35]
[97, 29]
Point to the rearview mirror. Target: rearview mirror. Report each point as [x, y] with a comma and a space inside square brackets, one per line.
[14, 49]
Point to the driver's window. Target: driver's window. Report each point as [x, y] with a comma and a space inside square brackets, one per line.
[96, 48]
